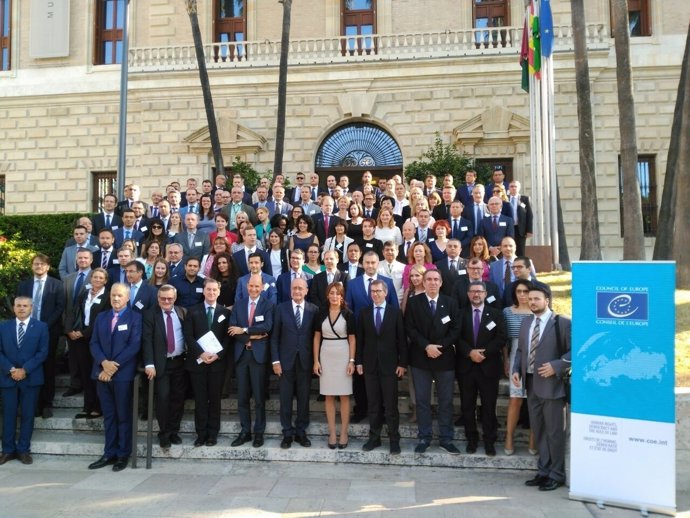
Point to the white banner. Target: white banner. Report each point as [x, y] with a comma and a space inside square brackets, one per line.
[49, 29]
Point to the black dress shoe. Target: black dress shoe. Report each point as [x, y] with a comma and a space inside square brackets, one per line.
[471, 447]
[102, 462]
[303, 440]
[82, 415]
[395, 448]
[120, 464]
[47, 413]
[71, 392]
[550, 485]
[241, 439]
[211, 441]
[538, 480]
[258, 440]
[459, 421]
[421, 447]
[6, 457]
[164, 442]
[200, 441]
[175, 438]
[372, 443]
[490, 449]
[286, 443]
[450, 448]
[25, 458]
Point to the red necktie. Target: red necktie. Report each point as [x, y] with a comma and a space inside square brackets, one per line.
[252, 309]
[325, 224]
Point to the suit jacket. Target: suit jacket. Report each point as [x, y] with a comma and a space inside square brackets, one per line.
[489, 187]
[240, 259]
[311, 209]
[52, 301]
[290, 343]
[423, 329]
[441, 212]
[137, 235]
[68, 261]
[196, 326]
[381, 353]
[465, 233]
[470, 215]
[177, 270]
[185, 210]
[525, 217]
[317, 290]
[374, 213]
[494, 236]
[76, 320]
[491, 337]
[345, 268]
[547, 352]
[269, 290]
[114, 275]
[357, 296]
[121, 345]
[30, 356]
[246, 207]
[285, 208]
[283, 284]
[451, 278]
[402, 256]
[154, 344]
[98, 257]
[291, 196]
[70, 300]
[98, 222]
[319, 228]
[497, 276]
[262, 323]
[201, 245]
[124, 204]
[493, 297]
[464, 195]
[145, 299]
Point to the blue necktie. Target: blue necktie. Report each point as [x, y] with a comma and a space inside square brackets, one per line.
[378, 319]
[128, 234]
[107, 220]
[77, 285]
[432, 306]
[20, 335]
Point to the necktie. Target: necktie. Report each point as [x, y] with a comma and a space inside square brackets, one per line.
[507, 276]
[209, 317]
[132, 294]
[475, 324]
[78, 285]
[329, 277]
[154, 212]
[453, 267]
[128, 234]
[20, 335]
[169, 332]
[367, 214]
[407, 247]
[513, 203]
[494, 225]
[325, 225]
[279, 208]
[113, 322]
[104, 259]
[422, 235]
[107, 220]
[369, 287]
[298, 317]
[432, 306]
[378, 319]
[190, 240]
[477, 218]
[252, 309]
[38, 295]
[456, 228]
[533, 344]
[136, 225]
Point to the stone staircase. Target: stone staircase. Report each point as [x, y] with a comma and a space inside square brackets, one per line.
[64, 435]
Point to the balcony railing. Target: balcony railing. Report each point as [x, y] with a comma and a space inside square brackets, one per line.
[344, 49]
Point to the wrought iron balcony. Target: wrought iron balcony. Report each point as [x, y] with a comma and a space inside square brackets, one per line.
[345, 49]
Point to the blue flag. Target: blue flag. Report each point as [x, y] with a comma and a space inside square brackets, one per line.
[546, 28]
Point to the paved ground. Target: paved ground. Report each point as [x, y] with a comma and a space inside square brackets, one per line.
[58, 487]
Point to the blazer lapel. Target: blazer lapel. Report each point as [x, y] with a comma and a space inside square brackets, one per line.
[548, 325]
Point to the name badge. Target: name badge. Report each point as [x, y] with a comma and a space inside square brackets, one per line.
[199, 243]
[200, 290]
[369, 245]
[97, 301]
[171, 233]
[490, 299]
[523, 205]
[501, 223]
[122, 327]
[143, 229]
[259, 318]
[491, 325]
[139, 305]
[114, 227]
[430, 240]
[462, 272]
[221, 318]
[464, 229]
[266, 286]
[116, 261]
[445, 319]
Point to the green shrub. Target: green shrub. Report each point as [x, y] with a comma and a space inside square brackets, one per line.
[439, 160]
[15, 264]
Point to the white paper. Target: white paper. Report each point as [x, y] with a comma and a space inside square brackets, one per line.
[209, 343]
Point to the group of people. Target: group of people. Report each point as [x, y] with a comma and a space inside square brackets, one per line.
[359, 287]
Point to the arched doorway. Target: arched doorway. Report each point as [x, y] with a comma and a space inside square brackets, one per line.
[356, 147]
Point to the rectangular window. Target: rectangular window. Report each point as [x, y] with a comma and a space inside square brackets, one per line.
[110, 17]
[488, 14]
[646, 175]
[2, 194]
[230, 23]
[5, 33]
[639, 19]
[102, 183]
[359, 22]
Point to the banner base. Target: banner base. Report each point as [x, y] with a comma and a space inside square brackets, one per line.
[642, 507]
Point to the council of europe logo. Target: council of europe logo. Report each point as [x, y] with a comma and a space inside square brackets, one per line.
[622, 306]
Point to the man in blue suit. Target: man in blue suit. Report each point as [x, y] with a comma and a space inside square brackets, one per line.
[256, 263]
[292, 358]
[23, 349]
[142, 296]
[48, 296]
[285, 279]
[250, 323]
[115, 345]
[127, 231]
[358, 297]
[496, 226]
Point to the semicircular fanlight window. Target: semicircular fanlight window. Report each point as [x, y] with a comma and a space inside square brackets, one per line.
[358, 145]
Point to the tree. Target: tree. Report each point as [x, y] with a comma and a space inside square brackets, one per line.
[282, 88]
[633, 233]
[439, 160]
[590, 246]
[205, 86]
[664, 244]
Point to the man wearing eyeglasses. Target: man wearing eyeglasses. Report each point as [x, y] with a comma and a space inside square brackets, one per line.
[475, 268]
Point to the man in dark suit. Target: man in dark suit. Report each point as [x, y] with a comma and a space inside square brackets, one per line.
[498, 178]
[142, 295]
[106, 254]
[382, 358]
[127, 230]
[324, 223]
[292, 359]
[195, 243]
[321, 281]
[479, 366]
[409, 233]
[207, 368]
[476, 209]
[284, 280]
[523, 218]
[107, 218]
[48, 296]
[256, 264]
[460, 228]
[442, 211]
[496, 226]
[501, 271]
[432, 322]
[424, 229]
[358, 297]
[174, 255]
[164, 352]
[351, 267]
[294, 194]
[452, 267]
[241, 257]
[115, 345]
[23, 349]
[251, 322]
[118, 272]
[540, 362]
[464, 192]
[475, 269]
[278, 205]
[132, 193]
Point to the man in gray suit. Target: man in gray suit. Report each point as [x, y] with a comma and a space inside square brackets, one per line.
[68, 261]
[543, 354]
[194, 242]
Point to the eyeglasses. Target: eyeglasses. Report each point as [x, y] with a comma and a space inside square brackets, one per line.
[159, 227]
[476, 292]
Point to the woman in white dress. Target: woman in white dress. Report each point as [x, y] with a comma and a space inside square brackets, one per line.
[386, 229]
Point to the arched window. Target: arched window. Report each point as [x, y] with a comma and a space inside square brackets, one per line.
[359, 146]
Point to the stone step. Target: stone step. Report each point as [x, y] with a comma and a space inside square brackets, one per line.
[90, 445]
[63, 421]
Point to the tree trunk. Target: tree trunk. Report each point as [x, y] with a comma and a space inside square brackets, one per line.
[633, 234]
[681, 234]
[205, 87]
[663, 246]
[282, 88]
[590, 246]
[563, 254]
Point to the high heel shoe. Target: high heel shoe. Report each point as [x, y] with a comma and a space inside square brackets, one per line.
[342, 446]
[332, 446]
[508, 451]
